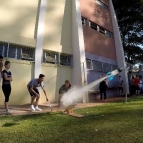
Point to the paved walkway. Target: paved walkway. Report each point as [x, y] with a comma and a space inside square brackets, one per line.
[24, 109]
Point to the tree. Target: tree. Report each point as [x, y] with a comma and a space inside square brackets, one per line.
[130, 20]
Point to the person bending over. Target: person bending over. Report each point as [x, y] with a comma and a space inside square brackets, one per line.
[63, 89]
[34, 92]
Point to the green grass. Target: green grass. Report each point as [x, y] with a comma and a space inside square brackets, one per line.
[110, 123]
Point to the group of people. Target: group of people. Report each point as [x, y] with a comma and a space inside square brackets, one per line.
[32, 86]
[136, 85]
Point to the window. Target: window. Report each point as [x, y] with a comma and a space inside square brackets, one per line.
[101, 30]
[101, 4]
[114, 67]
[97, 65]
[109, 34]
[1, 49]
[65, 59]
[12, 51]
[94, 26]
[89, 63]
[50, 57]
[84, 21]
[28, 54]
[106, 67]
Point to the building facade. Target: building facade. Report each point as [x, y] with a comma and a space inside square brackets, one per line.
[76, 40]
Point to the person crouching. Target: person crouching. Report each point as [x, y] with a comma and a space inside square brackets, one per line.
[63, 89]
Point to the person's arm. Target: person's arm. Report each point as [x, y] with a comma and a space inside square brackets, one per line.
[7, 78]
[45, 94]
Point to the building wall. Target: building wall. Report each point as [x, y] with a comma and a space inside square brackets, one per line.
[18, 21]
[96, 42]
[22, 73]
[96, 13]
[55, 78]
[57, 35]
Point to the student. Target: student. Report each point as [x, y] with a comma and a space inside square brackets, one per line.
[6, 85]
[132, 86]
[63, 89]
[141, 86]
[136, 82]
[34, 92]
[120, 86]
[1, 66]
[103, 87]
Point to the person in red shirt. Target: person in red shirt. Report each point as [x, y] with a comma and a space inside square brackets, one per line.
[136, 83]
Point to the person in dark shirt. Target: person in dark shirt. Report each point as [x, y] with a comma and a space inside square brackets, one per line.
[6, 85]
[63, 89]
[103, 87]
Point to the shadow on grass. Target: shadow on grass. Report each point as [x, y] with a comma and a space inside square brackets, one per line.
[9, 124]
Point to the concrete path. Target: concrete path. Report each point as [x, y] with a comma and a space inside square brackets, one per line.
[25, 109]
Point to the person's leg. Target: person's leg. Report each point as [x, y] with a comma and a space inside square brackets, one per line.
[7, 91]
[59, 100]
[104, 95]
[122, 90]
[119, 91]
[32, 99]
[100, 95]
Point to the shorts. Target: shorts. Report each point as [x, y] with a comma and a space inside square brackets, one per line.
[31, 93]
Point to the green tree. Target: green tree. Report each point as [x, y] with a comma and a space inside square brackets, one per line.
[130, 20]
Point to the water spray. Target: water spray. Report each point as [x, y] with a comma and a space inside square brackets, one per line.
[76, 93]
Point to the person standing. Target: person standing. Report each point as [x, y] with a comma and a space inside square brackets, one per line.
[1, 66]
[6, 85]
[132, 85]
[103, 87]
[34, 92]
[120, 86]
[141, 86]
[136, 82]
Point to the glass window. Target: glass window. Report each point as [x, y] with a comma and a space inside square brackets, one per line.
[19, 53]
[50, 57]
[97, 66]
[94, 26]
[28, 53]
[106, 67]
[1, 49]
[102, 30]
[84, 21]
[5, 51]
[65, 60]
[12, 51]
[88, 64]
[109, 34]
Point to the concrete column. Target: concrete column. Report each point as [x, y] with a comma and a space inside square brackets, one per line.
[119, 48]
[79, 64]
[39, 38]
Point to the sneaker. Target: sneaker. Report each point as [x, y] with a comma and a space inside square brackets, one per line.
[38, 109]
[8, 112]
[32, 108]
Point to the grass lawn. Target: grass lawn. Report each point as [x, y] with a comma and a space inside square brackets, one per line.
[110, 123]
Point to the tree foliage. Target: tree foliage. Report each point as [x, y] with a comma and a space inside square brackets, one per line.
[130, 20]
